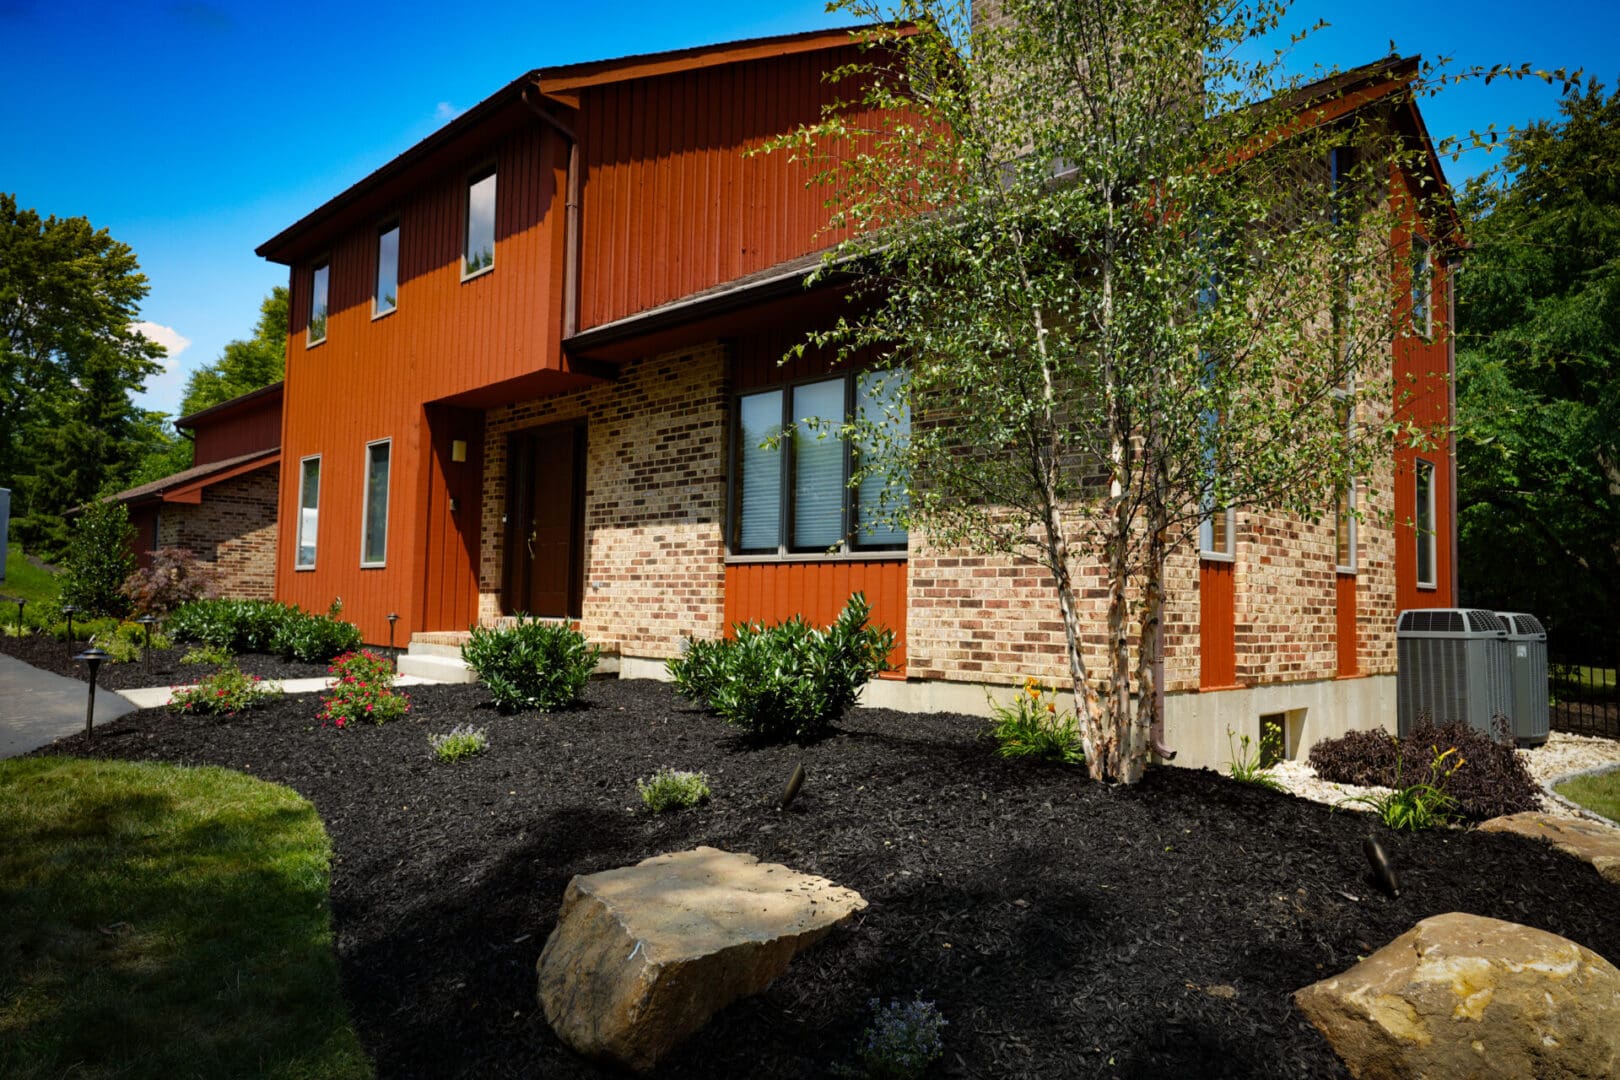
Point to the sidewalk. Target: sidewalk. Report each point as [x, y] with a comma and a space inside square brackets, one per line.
[37, 707]
[155, 697]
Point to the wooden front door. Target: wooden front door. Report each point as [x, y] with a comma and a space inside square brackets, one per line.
[545, 522]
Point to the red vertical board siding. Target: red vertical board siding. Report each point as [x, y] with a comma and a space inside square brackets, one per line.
[771, 592]
[1345, 612]
[1217, 648]
[256, 426]
[1423, 395]
[451, 537]
[369, 379]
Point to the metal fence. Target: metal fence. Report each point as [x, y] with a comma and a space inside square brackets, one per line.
[1585, 694]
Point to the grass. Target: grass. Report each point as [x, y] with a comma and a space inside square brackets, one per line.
[1578, 676]
[164, 922]
[1599, 794]
[25, 581]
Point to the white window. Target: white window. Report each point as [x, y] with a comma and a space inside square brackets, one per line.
[1216, 530]
[1344, 516]
[791, 469]
[1422, 285]
[385, 297]
[317, 303]
[309, 503]
[479, 253]
[1424, 524]
[374, 528]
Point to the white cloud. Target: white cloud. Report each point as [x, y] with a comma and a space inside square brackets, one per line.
[166, 336]
[445, 111]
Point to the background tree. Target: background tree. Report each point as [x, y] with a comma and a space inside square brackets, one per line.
[99, 557]
[1538, 377]
[69, 362]
[1108, 255]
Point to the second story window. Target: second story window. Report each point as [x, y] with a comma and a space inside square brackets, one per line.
[317, 303]
[479, 253]
[386, 296]
[1422, 286]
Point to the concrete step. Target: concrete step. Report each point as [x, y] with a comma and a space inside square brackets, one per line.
[434, 648]
[438, 668]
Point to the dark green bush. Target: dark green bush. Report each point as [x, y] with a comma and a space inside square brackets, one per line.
[1491, 780]
[99, 558]
[532, 665]
[787, 681]
[264, 626]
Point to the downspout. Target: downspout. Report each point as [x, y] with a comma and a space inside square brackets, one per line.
[570, 221]
[1453, 264]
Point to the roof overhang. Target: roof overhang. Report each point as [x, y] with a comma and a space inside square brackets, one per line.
[187, 486]
[225, 410]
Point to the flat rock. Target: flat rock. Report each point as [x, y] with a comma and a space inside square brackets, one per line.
[1589, 841]
[1460, 996]
[644, 955]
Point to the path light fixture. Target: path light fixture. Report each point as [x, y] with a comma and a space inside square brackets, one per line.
[795, 782]
[393, 617]
[147, 621]
[92, 658]
[1383, 869]
[68, 610]
[20, 602]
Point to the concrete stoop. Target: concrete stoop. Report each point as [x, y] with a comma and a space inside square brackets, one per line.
[436, 654]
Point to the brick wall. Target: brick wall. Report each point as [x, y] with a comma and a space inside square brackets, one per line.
[235, 527]
[655, 491]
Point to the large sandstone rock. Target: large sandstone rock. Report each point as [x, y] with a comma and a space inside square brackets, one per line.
[1459, 997]
[642, 956]
[1588, 841]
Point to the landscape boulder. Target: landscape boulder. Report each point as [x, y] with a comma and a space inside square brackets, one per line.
[1589, 841]
[644, 955]
[1460, 997]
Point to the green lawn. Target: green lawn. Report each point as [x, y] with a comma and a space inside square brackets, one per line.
[165, 922]
[24, 580]
[1599, 794]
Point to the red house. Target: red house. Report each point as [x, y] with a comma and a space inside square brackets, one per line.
[523, 353]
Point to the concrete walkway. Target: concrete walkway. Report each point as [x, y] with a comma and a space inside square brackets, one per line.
[37, 707]
[155, 697]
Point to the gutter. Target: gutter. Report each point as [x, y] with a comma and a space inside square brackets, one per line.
[571, 238]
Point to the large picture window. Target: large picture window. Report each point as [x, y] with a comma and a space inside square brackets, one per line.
[1424, 524]
[791, 468]
[309, 503]
[374, 538]
[479, 252]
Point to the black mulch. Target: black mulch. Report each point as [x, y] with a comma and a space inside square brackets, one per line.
[1064, 928]
[164, 668]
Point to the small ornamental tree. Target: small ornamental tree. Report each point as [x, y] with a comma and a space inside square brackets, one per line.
[99, 559]
[1129, 282]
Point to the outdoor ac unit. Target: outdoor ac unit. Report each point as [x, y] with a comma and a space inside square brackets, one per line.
[1452, 665]
[1527, 667]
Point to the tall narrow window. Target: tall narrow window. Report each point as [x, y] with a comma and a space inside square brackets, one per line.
[1344, 516]
[818, 465]
[317, 303]
[374, 541]
[1422, 281]
[1424, 524]
[309, 503]
[479, 254]
[386, 296]
[757, 523]
[880, 401]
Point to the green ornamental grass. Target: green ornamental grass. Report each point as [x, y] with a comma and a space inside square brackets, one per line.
[673, 789]
[165, 922]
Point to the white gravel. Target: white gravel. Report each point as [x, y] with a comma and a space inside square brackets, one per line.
[1561, 757]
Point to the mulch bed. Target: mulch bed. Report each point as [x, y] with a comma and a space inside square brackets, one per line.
[164, 668]
[1064, 928]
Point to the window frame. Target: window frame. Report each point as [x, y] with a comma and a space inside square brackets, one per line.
[298, 530]
[365, 504]
[388, 225]
[1206, 536]
[1345, 396]
[315, 268]
[1421, 268]
[1427, 508]
[849, 547]
[487, 170]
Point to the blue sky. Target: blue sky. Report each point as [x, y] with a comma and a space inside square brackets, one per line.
[196, 129]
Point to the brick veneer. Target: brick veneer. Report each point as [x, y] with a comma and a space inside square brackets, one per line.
[655, 492]
[235, 527]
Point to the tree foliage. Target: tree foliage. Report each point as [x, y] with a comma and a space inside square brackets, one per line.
[69, 362]
[1538, 375]
[244, 365]
[99, 559]
[1106, 253]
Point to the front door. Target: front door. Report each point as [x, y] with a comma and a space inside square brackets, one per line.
[545, 521]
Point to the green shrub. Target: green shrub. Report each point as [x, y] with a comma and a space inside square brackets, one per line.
[672, 789]
[1032, 727]
[314, 639]
[264, 626]
[904, 1039]
[1423, 805]
[206, 654]
[98, 559]
[227, 692]
[532, 665]
[362, 690]
[787, 681]
[462, 741]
